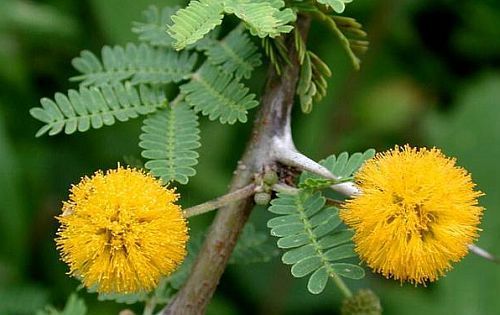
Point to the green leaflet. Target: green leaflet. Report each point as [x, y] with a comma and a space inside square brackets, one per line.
[262, 18]
[195, 21]
[236, 53]
[95, 107]
[343, 166]
[141, 64]
[315, 243]
[218, 95]
[337, 5]
[154, 29]
[74, 306]
[253, 247]
[169, 139]
[312, 83]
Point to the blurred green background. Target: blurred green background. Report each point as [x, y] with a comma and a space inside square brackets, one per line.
[431, 77]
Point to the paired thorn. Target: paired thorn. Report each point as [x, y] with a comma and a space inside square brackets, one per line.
[285, 152]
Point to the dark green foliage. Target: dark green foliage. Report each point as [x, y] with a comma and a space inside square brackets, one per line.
[218, 95]
[154, 29]
[95, 107]
[315, 243]
[139, 64]
[74, 306]
[169, 140]
[253, 247]
[363, 302]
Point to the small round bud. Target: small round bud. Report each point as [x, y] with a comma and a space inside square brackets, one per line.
[262, 198]
[363, 302]
[270, 178]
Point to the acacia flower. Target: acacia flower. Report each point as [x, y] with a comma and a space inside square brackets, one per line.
[121, 231]
[416, 214]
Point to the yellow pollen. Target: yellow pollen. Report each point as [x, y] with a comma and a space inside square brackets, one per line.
[416, 214]
[121, 231]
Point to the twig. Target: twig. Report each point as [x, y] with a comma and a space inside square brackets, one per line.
[221, 201]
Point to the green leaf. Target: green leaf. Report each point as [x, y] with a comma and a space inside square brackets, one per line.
[218, 95]
[169, 139]
[306, 266]
[141, 64]
[253, 247]
[312, 85]
[317, 281]
[195, 21]
[74, 306]
[309, 231]
[337, 5]
[236, 53]
[263, 18]
[344, 25]
[349, 271]
[95, 107]
[154, 29]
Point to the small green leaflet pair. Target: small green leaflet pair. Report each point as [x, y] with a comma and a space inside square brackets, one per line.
[311, 232]
[126, 82]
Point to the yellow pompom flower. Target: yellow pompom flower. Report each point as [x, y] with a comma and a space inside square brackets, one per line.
[121, 231]
[416, 214]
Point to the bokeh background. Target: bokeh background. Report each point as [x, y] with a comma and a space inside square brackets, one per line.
[431, 77]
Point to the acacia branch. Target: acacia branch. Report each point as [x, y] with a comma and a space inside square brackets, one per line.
[273, 120]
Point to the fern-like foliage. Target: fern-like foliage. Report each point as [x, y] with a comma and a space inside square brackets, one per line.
[218, 95]
[337, 5]
[253, 247]
[195, 21]
[236, 53]
[169, 139]
[140, 64]
[315, 243]
[343, 166]
[95, 107]
[154, 29]
[262, 17]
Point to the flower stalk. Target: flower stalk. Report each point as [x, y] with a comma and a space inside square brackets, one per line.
[221, 201]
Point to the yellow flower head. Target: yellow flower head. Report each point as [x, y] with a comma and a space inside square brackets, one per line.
[416, 213]
[121, 231]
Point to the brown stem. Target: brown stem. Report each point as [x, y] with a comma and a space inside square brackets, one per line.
[273, 121]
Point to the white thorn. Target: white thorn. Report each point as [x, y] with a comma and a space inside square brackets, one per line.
[285, 152]
[482, 253]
